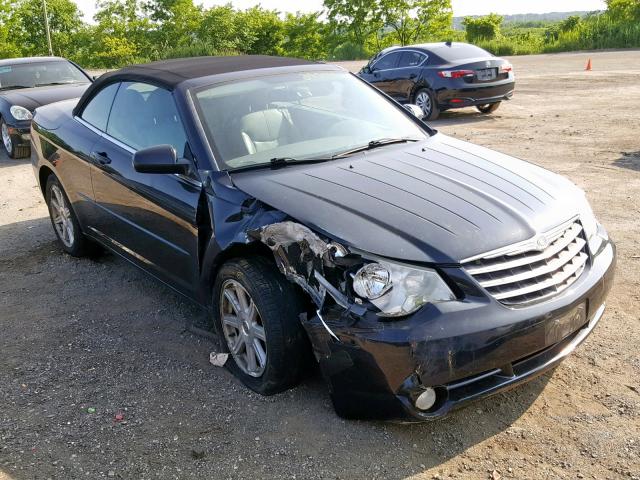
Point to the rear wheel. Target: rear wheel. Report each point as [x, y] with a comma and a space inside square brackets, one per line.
[488, 108]
[9, 142]
[257, 311]
[64, 221]
[426, 101]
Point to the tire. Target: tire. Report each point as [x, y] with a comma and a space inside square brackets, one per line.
[9, 143]
[426, 100]
[489, 108]
[72, 240]
[277, 306]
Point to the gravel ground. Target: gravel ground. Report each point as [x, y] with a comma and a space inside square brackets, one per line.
[98, 377]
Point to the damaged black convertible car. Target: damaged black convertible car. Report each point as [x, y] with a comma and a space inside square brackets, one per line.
[315, 218]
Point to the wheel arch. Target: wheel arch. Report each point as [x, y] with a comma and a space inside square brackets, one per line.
[43, 175]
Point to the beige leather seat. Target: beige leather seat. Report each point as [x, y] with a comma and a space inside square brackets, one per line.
[265, 130]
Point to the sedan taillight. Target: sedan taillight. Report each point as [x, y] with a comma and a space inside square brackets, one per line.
[506, 68]
[454, 73]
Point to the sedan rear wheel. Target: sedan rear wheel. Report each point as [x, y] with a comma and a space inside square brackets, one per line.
[426, 101]
[64, 221]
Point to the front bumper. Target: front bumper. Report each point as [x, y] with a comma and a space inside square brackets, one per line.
[20, 133]
[465, 350]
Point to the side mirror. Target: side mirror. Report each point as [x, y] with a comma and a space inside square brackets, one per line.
[159, 159]
[366, 69]
[414, 110]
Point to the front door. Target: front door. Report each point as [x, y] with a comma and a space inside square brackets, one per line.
[149, 218]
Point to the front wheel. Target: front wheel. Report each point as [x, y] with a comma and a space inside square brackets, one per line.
[427, 102]
[257, 311]
[9, 142]
[488, 108]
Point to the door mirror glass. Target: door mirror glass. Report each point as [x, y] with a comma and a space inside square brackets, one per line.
[159, 159]
[415, 110]
[366, 69]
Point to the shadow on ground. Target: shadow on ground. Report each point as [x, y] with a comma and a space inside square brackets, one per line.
[461, 117]
[630, 160]
[86, 340]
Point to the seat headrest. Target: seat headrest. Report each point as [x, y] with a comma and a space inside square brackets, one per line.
[262, 126]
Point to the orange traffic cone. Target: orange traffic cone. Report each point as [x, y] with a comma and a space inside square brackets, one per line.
[588, 67]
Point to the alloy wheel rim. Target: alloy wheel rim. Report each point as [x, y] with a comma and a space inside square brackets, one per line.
[6, 138]
[424, 102]
[61, 217]
[243, 328]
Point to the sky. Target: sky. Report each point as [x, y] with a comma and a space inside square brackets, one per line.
[460, 7]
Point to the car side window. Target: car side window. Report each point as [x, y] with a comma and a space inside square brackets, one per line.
[387, 61]
[97, 110]
[411, 59]
[144, 115]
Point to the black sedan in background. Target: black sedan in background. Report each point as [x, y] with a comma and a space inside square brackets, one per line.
[441, 76]
[28, 83]
[314, 218]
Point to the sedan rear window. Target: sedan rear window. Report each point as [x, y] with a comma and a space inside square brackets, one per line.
[460, 51]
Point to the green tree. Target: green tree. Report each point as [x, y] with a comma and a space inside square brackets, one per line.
[304, 36]
[64, 21]
[570, 23]
[482, 28]
[624, 10]
[8, 48]
[122, 32]
[358, 18]
[417, 19]
[219, 28]
[261, 31]
[176, 22]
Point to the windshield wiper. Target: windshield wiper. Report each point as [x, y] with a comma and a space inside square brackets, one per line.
[380, 142]
[11, 87]
[54, 83]
[279, 162]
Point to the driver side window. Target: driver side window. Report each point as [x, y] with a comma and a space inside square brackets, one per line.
[388, 61]
[144, 115]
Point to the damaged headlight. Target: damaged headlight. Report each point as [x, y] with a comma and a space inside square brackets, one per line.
[594, 232]
[400, 289]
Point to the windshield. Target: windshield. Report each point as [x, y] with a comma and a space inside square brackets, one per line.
[27, 75]
[297, 116]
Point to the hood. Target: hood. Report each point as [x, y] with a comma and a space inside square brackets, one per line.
[32, 98]
[438, 201]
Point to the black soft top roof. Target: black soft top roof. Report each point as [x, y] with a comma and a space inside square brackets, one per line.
[170, 73]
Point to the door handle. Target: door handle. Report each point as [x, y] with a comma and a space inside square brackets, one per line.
[101, 157]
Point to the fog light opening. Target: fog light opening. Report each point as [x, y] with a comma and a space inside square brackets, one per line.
[426, 399]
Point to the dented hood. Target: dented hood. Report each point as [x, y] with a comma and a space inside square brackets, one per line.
[442, 200]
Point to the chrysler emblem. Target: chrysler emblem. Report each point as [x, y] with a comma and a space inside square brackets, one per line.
[542, 242]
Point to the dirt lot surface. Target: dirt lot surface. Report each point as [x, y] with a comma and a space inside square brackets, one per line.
[82, 341]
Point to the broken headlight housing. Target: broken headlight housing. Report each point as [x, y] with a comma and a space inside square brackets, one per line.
[398, 289]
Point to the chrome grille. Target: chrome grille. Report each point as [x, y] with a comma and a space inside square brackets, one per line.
[524, 273]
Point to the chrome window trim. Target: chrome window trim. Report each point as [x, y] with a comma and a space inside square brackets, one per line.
[400, 51]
